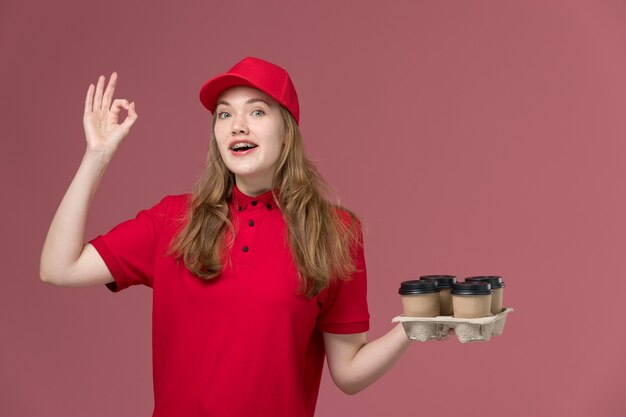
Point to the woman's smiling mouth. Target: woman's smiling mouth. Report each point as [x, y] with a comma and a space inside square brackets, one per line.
[242, 147]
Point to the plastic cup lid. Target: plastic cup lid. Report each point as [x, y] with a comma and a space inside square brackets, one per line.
[495, 281]
[472, 288]
[444, 281]
[418, 287]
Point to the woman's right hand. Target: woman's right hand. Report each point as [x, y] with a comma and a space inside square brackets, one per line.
[102, 130]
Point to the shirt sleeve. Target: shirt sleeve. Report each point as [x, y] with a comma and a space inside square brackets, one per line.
[130, 249]
[344, 304]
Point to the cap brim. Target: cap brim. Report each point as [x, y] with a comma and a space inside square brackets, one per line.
[212, 89]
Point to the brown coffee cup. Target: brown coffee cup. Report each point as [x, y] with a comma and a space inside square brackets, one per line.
[497, 285]
[444, 282]
[420, 298]
[471, 299]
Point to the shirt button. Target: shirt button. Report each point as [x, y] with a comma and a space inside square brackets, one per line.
[254, 203]
[245, 249]
[239, 208]
[251, 222]
[269, 206]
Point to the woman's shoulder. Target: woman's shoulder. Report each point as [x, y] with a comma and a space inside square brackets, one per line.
[347, 216]
[173, 201]
[172, 206]
[176, 200]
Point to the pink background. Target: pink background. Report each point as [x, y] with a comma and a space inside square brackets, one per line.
[473, 137]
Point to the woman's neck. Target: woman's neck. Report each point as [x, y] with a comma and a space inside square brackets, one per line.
[252, 188]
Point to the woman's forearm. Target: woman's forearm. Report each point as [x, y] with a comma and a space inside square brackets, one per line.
[64, 241]
[375, 358]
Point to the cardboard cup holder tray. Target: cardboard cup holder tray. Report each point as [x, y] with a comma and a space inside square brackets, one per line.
[481, 329]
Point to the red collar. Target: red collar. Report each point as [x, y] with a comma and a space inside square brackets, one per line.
[241, 201]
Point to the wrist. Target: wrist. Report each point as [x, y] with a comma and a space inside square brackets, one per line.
[98, 156]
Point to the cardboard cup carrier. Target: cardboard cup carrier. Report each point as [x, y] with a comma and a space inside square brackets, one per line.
[475, 316]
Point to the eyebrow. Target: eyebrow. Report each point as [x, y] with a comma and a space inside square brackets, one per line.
[251, 101]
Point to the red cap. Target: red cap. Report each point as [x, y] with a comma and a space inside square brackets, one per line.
[257, 73]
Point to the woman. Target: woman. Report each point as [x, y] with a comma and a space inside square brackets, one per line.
[256, 277]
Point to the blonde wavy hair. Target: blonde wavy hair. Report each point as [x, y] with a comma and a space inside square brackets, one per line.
[322, 235]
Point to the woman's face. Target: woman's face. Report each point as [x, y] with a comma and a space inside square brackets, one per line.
[249, 132]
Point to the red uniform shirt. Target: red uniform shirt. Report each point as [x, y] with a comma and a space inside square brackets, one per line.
[243, 343]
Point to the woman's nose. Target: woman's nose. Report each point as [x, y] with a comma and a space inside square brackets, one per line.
[239, 125]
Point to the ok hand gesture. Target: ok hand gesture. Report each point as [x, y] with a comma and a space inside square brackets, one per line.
[100, 120]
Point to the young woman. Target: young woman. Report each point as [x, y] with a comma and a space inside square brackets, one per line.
[256, 276]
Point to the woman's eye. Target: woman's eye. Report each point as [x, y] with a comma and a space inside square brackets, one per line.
[223, 115]
[258, 112]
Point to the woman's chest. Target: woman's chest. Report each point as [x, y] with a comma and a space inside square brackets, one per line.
[259, 278]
